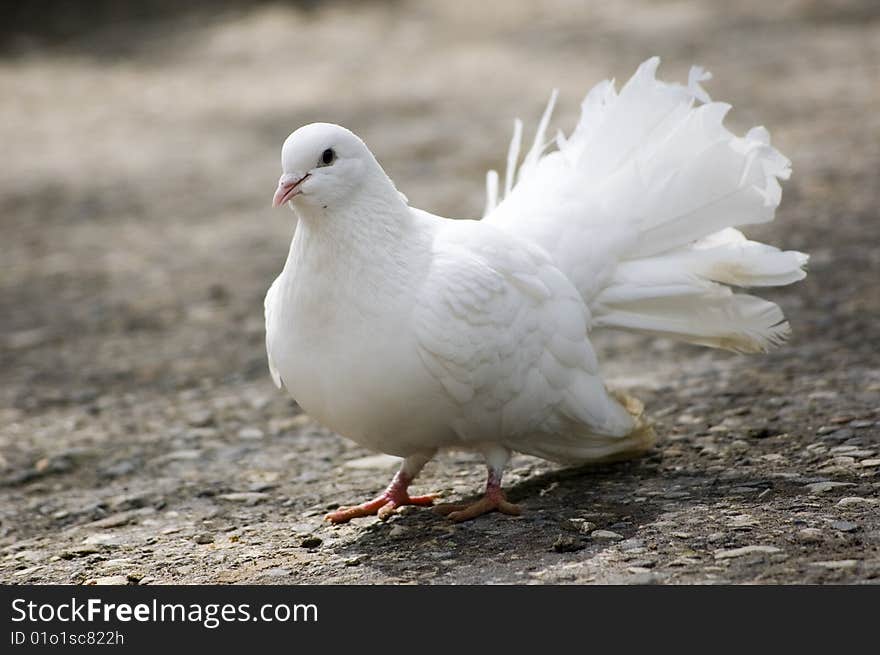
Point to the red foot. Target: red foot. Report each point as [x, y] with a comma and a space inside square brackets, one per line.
[383, 505]
[493, 501]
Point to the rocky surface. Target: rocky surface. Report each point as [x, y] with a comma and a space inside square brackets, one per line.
[141, 440]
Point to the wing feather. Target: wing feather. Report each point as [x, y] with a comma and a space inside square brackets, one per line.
[505, 333]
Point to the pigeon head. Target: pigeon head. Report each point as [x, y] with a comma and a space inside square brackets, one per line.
[323, 165]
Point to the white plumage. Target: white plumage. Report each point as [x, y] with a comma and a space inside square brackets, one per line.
[408, 333]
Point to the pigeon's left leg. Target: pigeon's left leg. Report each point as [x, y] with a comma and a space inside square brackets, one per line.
[385, 504]
[493, 500]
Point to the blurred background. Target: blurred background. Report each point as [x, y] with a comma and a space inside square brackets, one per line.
[140, 150]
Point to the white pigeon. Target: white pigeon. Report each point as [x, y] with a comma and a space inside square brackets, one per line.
[409, 333]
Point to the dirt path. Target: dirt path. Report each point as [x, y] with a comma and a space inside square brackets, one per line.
[141, 439]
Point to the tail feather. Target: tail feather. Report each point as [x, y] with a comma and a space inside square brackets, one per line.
[639, 205]
[718, 319]
[581, 445]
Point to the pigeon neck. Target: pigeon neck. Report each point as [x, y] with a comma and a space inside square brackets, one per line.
[372, 217]
[373, 236]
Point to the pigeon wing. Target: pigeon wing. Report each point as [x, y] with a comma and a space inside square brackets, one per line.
[505, 333]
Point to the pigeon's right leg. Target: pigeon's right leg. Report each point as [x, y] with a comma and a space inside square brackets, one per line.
[493, 500]
[385, 504]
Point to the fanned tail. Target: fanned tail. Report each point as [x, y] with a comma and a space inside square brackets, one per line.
[639, 205]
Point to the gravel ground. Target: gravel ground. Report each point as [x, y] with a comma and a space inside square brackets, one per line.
[141, 439]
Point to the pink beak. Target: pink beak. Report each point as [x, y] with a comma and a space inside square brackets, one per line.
[289, 187]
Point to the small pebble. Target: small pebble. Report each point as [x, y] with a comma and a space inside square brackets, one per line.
[109, 580]
[113, 521]
[102, 539]
[856, 500]
[182, 455]
[854, 451]
[246, 497]
[822, 487]
[838, 435]
[746, 550]
[250, 433]
[582, 525]
[837, 564]
[741, 521]
[200, 419]
[606, 534]
[397, 531]
[632, 545]
[810, 536]
[79, 551]
[118, 469]
[567, 544]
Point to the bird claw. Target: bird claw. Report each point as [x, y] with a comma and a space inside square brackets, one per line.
[458, 512]
[382, 506]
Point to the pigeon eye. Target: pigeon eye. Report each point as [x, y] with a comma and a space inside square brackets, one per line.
[328, 157]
